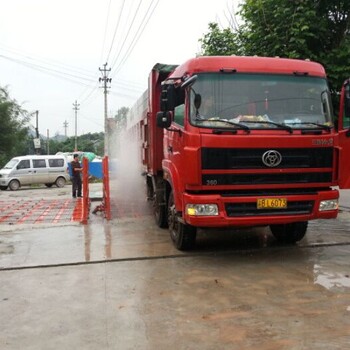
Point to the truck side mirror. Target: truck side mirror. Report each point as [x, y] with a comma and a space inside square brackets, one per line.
[164, 119]
[167, 98]
[189, 82]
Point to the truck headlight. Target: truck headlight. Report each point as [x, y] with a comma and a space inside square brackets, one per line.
[330, 204]
[202, 209]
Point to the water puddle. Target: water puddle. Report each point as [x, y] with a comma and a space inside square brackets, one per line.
[329, 280]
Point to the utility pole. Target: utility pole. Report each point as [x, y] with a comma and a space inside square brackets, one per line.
[37, 145]
[105, 81]
[65, 125]
[37, 124]
[48, 141]
[76, 109]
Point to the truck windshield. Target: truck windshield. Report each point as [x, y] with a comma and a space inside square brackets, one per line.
[261, 101]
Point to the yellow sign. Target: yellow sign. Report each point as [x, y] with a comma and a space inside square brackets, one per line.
[271, 203]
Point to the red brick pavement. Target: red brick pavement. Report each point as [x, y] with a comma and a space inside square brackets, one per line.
[36, 211]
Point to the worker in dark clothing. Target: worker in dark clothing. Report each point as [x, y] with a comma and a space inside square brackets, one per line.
[76, 177]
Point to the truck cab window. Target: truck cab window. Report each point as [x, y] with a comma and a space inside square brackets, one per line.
[261, 100]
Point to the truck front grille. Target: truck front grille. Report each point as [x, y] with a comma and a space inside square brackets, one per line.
[251, 158]
[298, 166]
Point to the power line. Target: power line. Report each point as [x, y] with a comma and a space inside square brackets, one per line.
[127, 35]
[106, 26]
[116, 29]
[93, 90]
[136, 37]
[45, 61]
[69, 77]
[49, 71]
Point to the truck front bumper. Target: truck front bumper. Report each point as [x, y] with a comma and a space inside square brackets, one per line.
[243, 210]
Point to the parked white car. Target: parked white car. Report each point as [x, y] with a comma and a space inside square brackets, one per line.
[34, 169]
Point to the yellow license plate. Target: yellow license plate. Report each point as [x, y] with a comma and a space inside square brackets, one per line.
[272, 203]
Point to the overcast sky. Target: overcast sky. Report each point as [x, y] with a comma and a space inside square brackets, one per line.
[51, 51]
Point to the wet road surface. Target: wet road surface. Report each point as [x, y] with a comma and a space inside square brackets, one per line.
[122, 285]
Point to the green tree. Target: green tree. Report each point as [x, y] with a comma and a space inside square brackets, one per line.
[13, 130]
[219, 42]
[91, 142]
[314, 29]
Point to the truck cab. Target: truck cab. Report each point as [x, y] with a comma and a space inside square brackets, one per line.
[244, 141]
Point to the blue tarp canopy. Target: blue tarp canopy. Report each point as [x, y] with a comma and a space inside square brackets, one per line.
[95, 169]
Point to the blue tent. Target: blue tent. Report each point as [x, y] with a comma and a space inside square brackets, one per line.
[95, 169]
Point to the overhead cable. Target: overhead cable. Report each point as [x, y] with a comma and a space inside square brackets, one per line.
[49, 71]
[106, 27]
[136, 37]
[127, 35]
[50, 61]
[116, 29]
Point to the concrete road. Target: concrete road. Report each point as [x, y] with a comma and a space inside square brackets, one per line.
[122, 285]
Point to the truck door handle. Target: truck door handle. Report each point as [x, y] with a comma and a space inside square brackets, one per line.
[170, 149]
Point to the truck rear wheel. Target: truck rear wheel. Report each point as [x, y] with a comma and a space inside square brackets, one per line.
[160, 215]
[289, 233]
[160, 211]
[182, 235]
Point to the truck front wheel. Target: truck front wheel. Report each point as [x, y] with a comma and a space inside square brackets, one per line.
[289, 233]
[182, 235]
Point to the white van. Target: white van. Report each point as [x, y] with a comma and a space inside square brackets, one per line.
[29, 170]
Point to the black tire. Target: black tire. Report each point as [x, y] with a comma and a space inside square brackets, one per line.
[48, 185]
[60, 182]
[14, 185]
[160, 210]
[156, 193]
[182, 235]
[3, 188]
[289, 233]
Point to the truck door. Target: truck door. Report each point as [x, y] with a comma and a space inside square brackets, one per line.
[344, 136]
[175, 138]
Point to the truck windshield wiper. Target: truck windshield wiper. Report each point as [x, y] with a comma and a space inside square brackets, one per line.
[238, 125]
[282, 126]
[321, 126]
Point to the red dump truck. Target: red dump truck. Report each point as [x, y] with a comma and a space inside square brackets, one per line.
[242, 141]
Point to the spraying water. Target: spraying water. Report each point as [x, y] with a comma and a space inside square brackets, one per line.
[128, 189]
